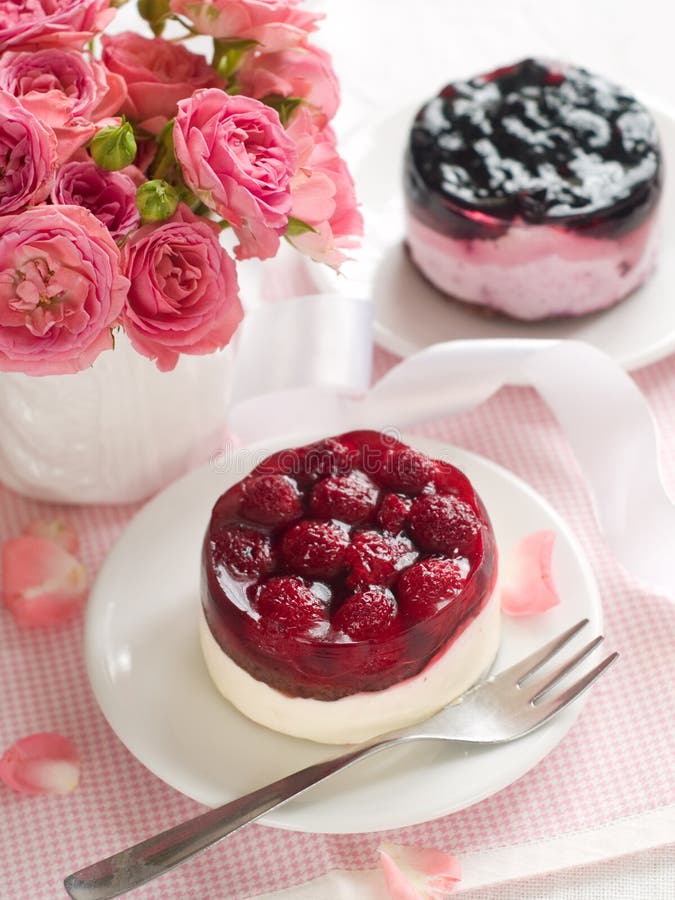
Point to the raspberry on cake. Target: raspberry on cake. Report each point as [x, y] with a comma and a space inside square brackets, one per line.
[348, 589]
[533, 191]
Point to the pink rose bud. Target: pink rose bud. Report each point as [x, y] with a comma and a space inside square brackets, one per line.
[526, 580]
[155, 12]
[114, 147]
[27, 157]
[41, 764]
[418, 873]
[183, 296]
[157, 74]
[274, 24]
[57, 307]
[46, 23]
[237, 158]
[57, 529]
[42, 583]
[110, 196]
[302, 72]
[156, 200]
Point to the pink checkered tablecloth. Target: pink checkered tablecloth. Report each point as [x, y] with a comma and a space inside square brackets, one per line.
[615, 764]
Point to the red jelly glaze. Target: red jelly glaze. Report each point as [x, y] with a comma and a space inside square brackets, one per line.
[345, 565]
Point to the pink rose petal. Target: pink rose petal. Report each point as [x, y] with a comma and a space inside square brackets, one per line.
[274, 24]
[304, 71]
[527, 585]
[57, 529]
[322, 193]
[41, 764]
[41, 582]
[418, 873]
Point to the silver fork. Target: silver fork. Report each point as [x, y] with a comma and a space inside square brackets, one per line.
[503, 708]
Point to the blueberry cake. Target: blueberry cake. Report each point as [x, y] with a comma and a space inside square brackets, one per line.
[533, 190]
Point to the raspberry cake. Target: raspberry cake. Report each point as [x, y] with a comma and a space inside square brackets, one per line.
[348, 589]
[533, 191]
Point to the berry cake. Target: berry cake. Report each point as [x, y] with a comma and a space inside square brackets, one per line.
[348, 589]
[533, 191]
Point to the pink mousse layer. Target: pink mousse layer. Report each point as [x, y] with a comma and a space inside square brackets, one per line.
[536, 271]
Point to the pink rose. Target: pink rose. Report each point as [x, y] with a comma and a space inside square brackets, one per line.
[323, 194]
[27, 156]
[61, 290]
[237, 158]
[305, 72]
[184, 296]
[158, 74]
[51, 23]
[110, 196]
[64, 90]
[275, 24]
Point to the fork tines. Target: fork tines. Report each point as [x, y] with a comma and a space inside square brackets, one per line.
[523, 672]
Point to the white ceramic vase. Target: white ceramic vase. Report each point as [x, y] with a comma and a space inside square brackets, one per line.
[114, 433]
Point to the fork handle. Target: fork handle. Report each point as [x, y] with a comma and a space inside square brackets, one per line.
[136, 865]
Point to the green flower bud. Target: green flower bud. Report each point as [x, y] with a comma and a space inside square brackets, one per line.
[155, 12]
[156, 200]
[114, 147]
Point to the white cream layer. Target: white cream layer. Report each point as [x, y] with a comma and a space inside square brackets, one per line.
[360, 717]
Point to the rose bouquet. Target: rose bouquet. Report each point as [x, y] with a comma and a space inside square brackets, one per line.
[122, 161]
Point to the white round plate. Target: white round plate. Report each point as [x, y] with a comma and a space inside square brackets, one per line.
[411, 314]
[147, 673]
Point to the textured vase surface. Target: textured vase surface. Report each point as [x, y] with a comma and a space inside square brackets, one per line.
[114, 433]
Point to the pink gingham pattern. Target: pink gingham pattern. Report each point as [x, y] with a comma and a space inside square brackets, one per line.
[616, 762]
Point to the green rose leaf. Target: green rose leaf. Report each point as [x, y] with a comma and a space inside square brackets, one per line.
[297, 227]
[228, 54]
[285, 106]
